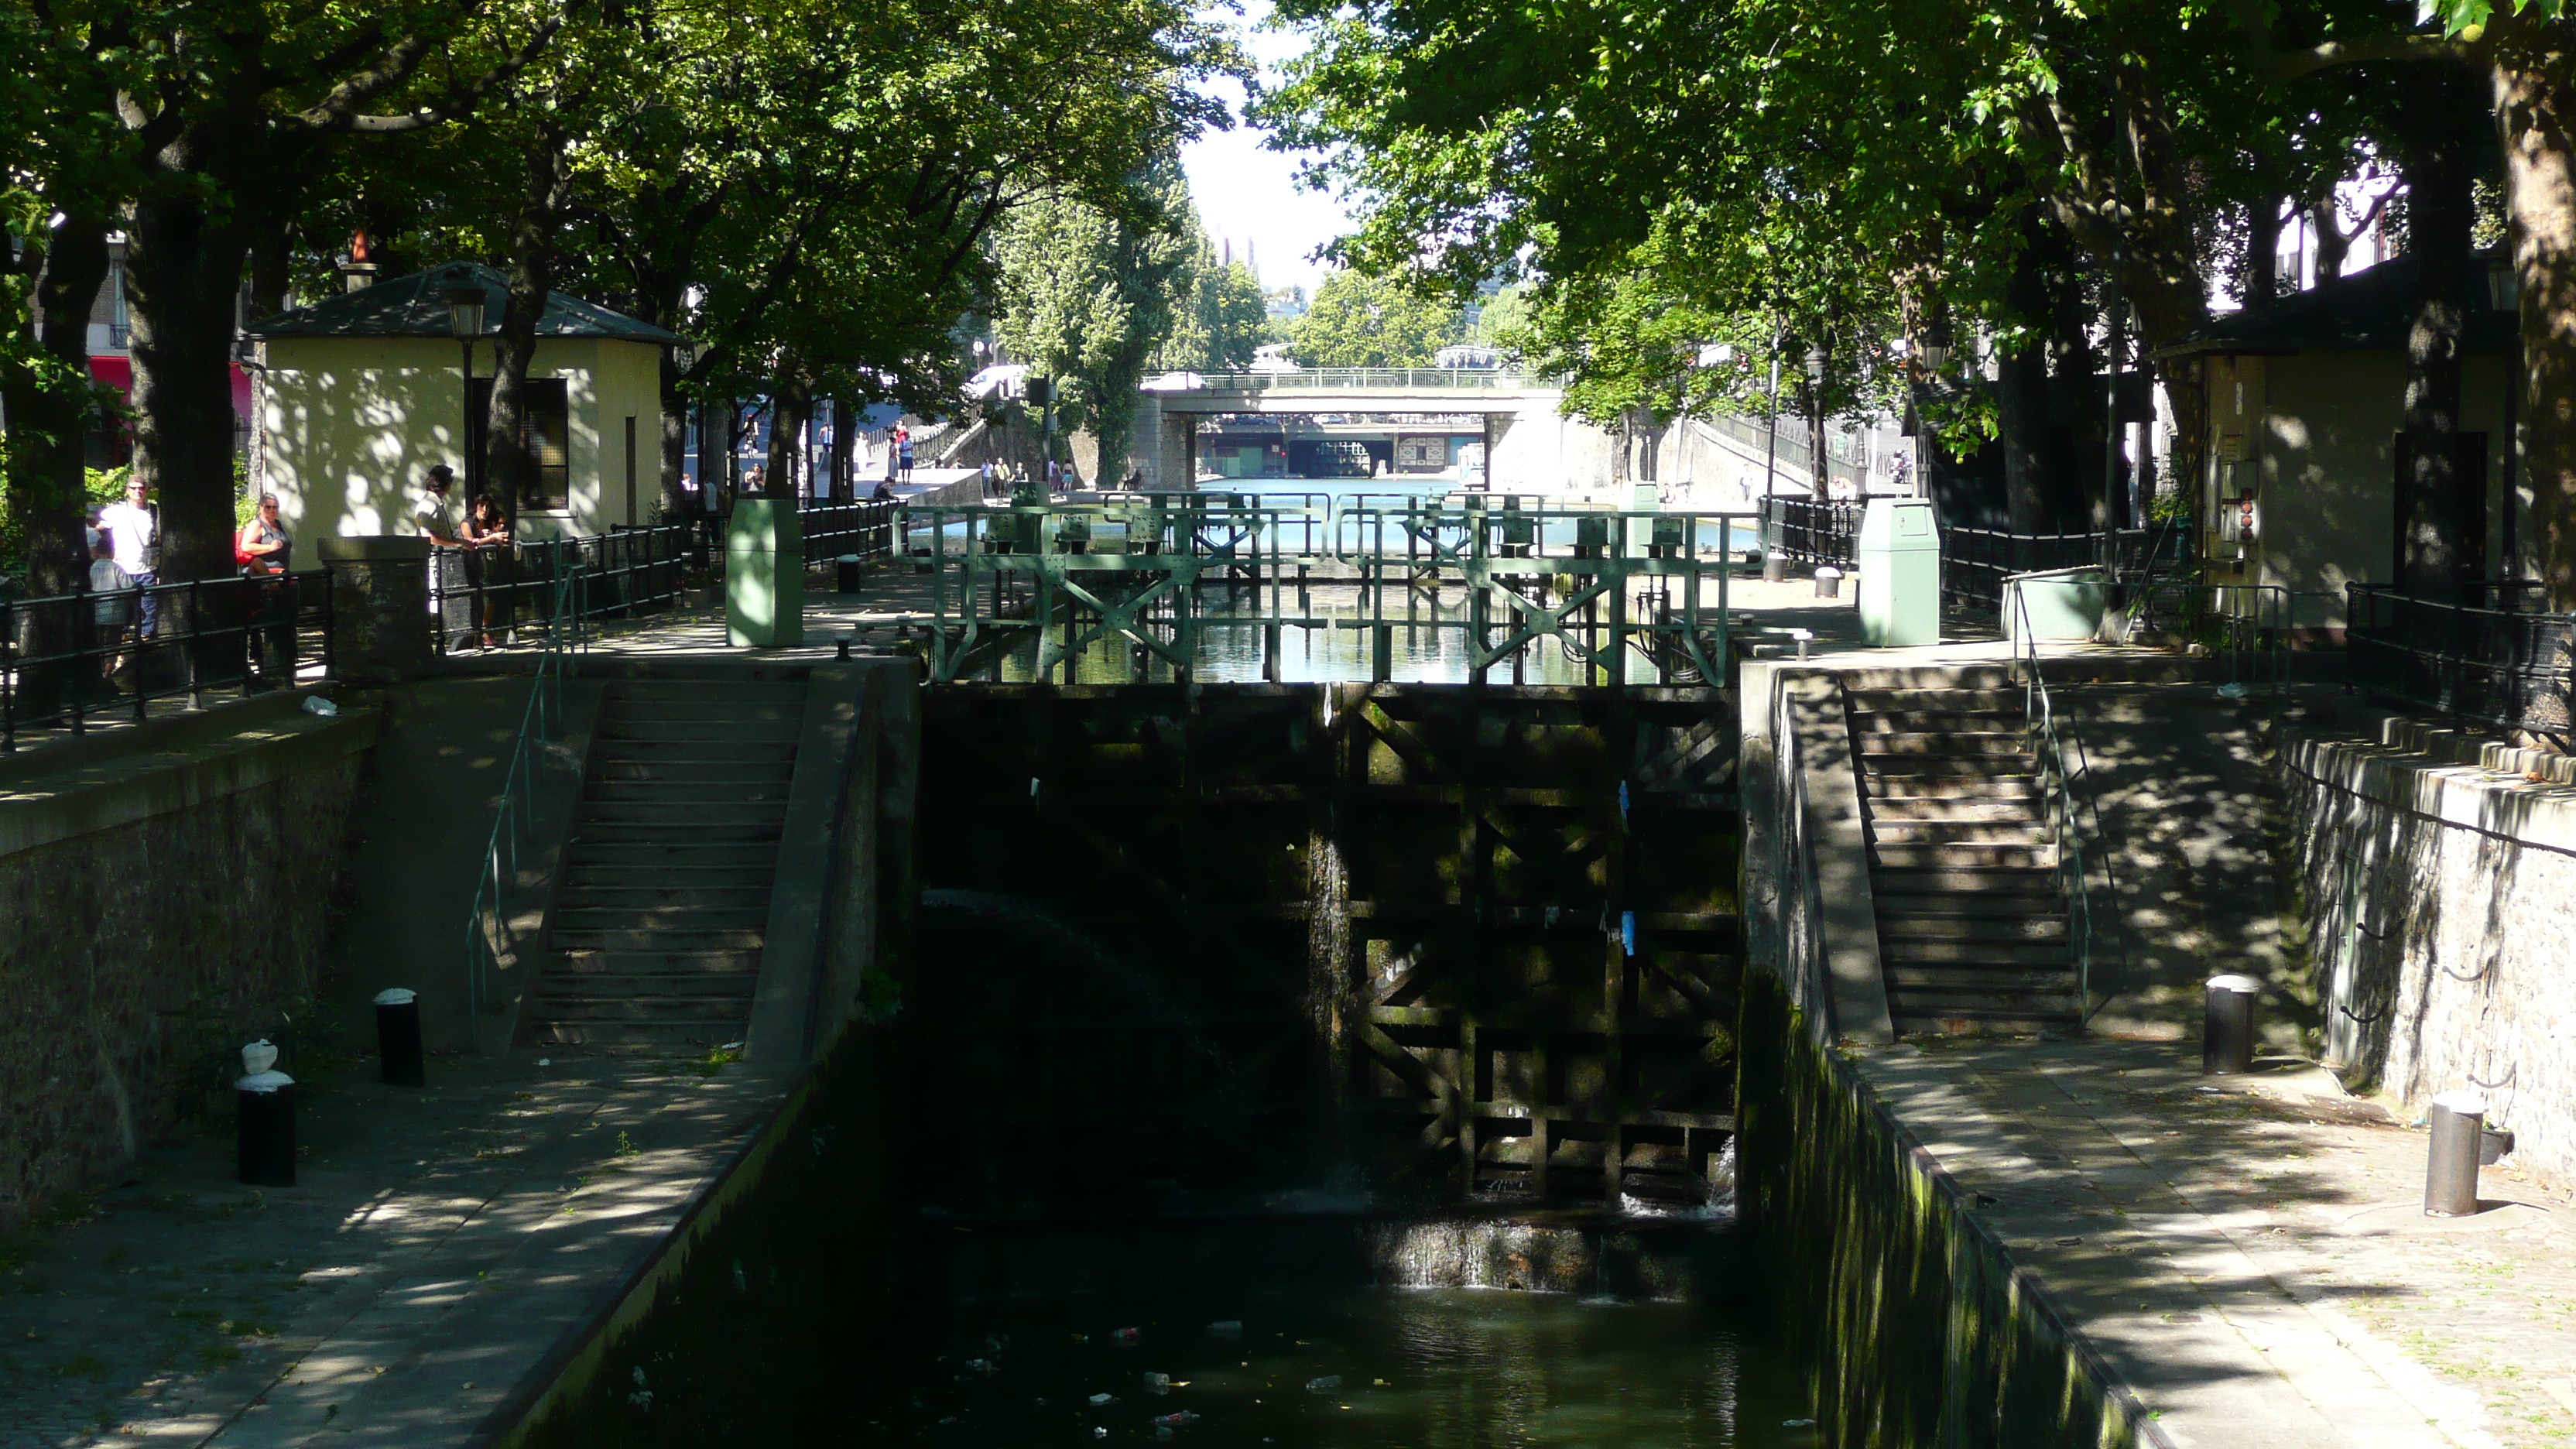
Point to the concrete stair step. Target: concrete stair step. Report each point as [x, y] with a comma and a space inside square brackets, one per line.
[1959, 853]
[673, 963]
[642, 916]
[1927, 787]
[2005, 809]
[657, 832]
[1911, 926]
[685, 815]
[1866, 700]
[2012, 984]
[1966, 880]
[1926, 721]
[615, 894]
[1965, 832]
[622, 986]
[1940, 744]
[690, 789]
[747, 754]
[2015, 954]
[670, 939]
[654, 1010]
[1923, 773]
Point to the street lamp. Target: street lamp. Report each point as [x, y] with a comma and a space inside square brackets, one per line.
[1936, 347]
[465, 323]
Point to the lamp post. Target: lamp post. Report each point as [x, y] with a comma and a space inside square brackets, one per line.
[465, 323]
[1820, 479]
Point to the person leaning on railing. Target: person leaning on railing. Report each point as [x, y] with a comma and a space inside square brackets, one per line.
[263, 550]
[112, 612]
[488, 560]
[447, 588]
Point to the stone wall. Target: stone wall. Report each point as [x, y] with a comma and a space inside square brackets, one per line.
[162, 901]
[2438, 891]
[1919, 1330]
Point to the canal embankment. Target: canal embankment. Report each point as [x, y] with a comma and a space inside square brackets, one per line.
[2111, 1247]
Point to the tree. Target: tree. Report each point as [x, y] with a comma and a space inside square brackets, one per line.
[1363, 319]
[1086, 298]
[1224, 317]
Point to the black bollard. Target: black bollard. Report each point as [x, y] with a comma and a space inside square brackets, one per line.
[398, 1053]
[2227, 1027]
[847, 566]
[2458, 1120]
[264, 1103]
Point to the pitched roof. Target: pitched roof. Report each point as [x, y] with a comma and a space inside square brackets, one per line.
[2368, 310]
[416, 306]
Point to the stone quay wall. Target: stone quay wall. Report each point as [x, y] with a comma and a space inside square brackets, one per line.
[164, 897]
[2437, 886]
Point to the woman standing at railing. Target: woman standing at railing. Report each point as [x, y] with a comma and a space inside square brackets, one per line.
[262, 547]
[487, 563]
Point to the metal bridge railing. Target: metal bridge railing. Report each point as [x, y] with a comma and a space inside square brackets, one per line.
[1369, 379]
[498, 890]
[1816, 532]
[1621, 593]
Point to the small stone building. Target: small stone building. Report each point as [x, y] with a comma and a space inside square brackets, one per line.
[2300, 486]
[361, 394]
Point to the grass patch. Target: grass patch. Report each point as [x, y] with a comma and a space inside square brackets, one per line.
[716, 1061]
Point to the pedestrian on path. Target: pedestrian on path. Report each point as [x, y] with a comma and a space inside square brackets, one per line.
[263, 547]
[903, 447]
[133, 529]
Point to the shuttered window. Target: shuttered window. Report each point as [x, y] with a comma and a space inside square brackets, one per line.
[548, 435]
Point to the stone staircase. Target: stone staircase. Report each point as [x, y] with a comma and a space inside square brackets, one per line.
[1972, 918]
[654, 934]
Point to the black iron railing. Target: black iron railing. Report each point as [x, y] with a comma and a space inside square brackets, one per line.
[1817, 531]
[499, 596]
[73, 661]
[836, 530]
[1976, 561]
[2500, 660]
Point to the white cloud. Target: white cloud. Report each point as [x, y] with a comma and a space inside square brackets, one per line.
[1247, 192]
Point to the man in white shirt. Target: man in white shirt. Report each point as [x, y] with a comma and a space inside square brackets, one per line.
[450, 596]
[133, 529]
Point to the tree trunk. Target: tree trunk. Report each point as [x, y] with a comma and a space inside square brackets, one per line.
[2021, 386]
[791, 405]
[2262, 280]
[2332, 244]
[674, 430]
[2536, 110]
[47, 463]
[183, 264]
[513, 475]
[2437, 510]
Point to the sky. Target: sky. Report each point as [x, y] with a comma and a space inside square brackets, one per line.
[1247, 192]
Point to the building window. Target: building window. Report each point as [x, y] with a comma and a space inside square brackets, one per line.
[547, 421]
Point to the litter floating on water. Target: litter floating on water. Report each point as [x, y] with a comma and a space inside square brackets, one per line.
[1227, 1328]
[1158, 1383]
[1099, 1399]
[316, 704]
[1177, 1419]
[1127, 1337]
[1797, 1423]
[1380, 1383]
[1324, 1385]
[1099, 1433]
[980, 1365]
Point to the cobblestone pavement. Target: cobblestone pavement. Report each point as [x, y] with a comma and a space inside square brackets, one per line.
[163, 1308]
[2269, 1221]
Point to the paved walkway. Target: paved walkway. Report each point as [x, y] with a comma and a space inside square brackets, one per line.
[438, 1243]
[2251, 1253]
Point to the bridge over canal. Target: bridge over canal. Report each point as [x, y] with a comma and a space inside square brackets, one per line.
[1529, 448]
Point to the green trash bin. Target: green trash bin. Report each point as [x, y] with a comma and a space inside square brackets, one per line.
[2059, 605]
[1899, 558]
[764, 574]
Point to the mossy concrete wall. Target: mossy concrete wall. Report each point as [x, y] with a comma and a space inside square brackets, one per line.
[164, 897]
[1919, 1330]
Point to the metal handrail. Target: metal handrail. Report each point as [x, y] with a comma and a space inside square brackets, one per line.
[514, 824]
[2058, 780]
[2504, 666]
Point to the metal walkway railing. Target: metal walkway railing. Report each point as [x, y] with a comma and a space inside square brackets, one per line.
[498, 890]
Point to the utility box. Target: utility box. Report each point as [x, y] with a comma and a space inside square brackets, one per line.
[764, 574]
[1642, 498]
[1899, 558]
[2062, 605]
